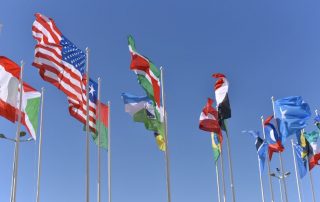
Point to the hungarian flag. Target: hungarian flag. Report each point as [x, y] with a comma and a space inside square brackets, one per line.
[273, 138]
[102, 126]
[221, 88]
[148, 74]
[313, 161]
[9, 97]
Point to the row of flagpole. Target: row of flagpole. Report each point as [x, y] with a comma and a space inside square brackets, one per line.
[17, 144]
[282, 177]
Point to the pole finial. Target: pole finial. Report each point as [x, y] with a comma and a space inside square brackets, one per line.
[160, 67]
[272, 98]
[261, 117]
[87, 49]
[316, 111]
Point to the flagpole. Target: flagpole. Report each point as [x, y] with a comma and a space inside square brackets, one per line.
[281, 163]
[99, 141]
[109, 151]
[222, 173]
[268, 162]
[87, 130]
[261, 182]
[218, 183]
[296, 171]
[40, 145]
[166, 152]
[230, 163]
[280, 185]
[17, 141]
[311, 183]
[217, 171]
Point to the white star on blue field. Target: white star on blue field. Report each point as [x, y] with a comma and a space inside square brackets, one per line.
[265, 48]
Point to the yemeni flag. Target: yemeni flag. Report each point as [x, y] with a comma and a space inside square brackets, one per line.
[102, 126]
[209, 119]
[221, 88]
[148, 74]
[9, 85]
[30, 109]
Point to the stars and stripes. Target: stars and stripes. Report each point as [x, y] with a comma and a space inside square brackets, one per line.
[61, 63]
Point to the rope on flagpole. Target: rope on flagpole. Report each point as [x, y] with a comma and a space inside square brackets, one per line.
[17, 141]
[166, 152]
[109, 151]
[40, 145]
[87, 130]
[296, 171]
[268, 162]
[280, 155]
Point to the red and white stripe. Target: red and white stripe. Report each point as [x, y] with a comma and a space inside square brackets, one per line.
[48, 59]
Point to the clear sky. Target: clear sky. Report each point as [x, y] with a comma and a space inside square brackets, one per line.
[264, 47]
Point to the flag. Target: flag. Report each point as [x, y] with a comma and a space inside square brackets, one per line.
[62, 64]
[9, 97]
[30, 109]
[312, 139]
[313, 161]
[148, 74]
[291, 114]
[261, 147]
[216, 146]
[209, 119]
[317, 121]
[102, 126]
[301, 160]
[142, 109]
[221, 92]
[273, 137]
[9, 85]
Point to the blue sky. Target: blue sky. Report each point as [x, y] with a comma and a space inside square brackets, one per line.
[266, 49]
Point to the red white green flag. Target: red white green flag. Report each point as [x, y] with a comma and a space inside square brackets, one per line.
[148, 74]
[9, 97]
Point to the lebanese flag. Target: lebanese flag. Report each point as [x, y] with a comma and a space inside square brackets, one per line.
[9, 85]
[221, 88]
[209, 119]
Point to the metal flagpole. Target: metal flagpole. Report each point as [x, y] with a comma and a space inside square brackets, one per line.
[261, 182]
[311, 183]
[218, 182]
[222, 176]
[98, 120]
[17, 141]
[109, 151]
[281, 163]
[217, 173]
[40, 145]
[296, 171]
[230, 163]
[87, 131]
[268, 162]
[280, 185]
[166, 152]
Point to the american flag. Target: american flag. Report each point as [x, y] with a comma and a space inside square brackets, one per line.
[61, 63]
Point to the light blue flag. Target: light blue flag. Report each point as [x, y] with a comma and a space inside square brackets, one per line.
[291, 114]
